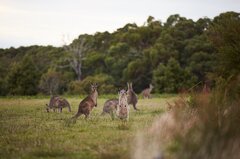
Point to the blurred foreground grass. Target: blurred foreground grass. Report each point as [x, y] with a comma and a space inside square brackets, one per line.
[27, 131]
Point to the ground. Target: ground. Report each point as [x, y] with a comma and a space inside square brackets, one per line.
[28, 131]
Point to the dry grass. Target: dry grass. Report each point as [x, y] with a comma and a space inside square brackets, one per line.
[204, 125]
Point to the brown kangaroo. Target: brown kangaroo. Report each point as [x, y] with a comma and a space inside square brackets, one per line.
[131, 96]
[59, 103]
[147, 92]
[87, 104]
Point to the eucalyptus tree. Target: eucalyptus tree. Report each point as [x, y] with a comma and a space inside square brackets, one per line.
[76, 54]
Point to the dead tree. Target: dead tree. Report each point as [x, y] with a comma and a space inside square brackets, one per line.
[77, 51]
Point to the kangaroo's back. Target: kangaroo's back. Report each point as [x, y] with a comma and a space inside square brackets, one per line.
[131, 96]
[62, 103]
[110, 105]
[53, 101]
[86, 104]
[147, 92]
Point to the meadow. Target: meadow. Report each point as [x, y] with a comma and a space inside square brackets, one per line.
[28, 131]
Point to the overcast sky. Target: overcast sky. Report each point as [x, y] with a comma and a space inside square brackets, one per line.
[50, 22]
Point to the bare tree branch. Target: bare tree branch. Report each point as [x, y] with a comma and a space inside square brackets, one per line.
[77, 51]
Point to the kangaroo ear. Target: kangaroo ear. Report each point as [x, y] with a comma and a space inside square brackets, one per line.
[131, 84]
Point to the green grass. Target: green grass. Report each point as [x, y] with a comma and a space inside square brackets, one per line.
[28, 131]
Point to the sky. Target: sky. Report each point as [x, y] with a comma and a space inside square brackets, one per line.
[56, 22]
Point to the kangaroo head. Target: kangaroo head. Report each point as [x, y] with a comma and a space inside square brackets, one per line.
[122, 92]
[151, 86]
[94, 87]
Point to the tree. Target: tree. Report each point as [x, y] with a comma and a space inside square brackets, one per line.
[139, 73]
[23, 78]
[50, 82]
[224, 34]
[171, 78]
[77, 51]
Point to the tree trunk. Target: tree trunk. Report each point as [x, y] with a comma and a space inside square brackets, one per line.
[79, 72]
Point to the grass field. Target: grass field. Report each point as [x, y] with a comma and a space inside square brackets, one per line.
[28, 131]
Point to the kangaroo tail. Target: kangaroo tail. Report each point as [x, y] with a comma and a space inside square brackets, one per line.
[69, 108]
[77, 115]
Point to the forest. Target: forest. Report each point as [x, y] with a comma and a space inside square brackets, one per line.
[173, 56]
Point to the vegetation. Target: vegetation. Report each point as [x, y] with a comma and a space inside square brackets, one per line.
[28, 131]
[173, 56]
[206, 124]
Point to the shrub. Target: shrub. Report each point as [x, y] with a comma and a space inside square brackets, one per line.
[104, 82]
[206, 125]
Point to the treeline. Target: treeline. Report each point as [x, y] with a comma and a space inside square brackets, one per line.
[173, 56]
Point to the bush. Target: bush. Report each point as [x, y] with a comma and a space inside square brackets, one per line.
[23, 78]
[171, 77]
[104, 82]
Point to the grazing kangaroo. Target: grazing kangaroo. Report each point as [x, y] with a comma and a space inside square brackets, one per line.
[131, 96]
[59, 103]
[87, 104]
[147, 92]
[123, 107]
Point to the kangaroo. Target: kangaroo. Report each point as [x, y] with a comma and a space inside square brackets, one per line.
[147, 92]
[131, 96]
[59, 103]
[87, 104]
[123, 107]
[110, 106]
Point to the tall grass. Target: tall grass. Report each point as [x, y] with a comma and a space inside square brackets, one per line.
[201, 125]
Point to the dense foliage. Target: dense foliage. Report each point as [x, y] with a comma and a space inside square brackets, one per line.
[209, 122]
[173, 56]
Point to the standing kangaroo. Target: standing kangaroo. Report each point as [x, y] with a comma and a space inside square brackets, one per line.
[87, 104]
[123, 107]
[131, 96]
[59, 103]
[147, 92]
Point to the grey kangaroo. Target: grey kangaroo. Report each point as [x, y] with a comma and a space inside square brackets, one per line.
[123, 107]
[87, 104]
[131, 96]
[59, 103]
[147, 92]
[110, 106]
